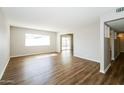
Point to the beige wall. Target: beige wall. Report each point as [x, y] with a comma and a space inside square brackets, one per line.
[4, 43]
[117, 47]
[107, 48]
[18, 47]
[121, 36]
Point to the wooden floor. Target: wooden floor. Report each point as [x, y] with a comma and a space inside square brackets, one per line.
[62, 69]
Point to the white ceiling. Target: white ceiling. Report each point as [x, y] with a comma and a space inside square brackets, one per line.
[118, 25]
[54, 18]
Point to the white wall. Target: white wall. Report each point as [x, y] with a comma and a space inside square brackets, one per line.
[86, 42]
[4, 43]
[18, 47]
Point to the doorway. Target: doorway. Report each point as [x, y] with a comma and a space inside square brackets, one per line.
[66, 43]
[112, 29]
[116, 37]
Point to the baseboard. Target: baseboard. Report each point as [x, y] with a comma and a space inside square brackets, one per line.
[107, 68]
[31, 54]
[88, 59]
[117, 56]
[113, 59]
[104, 71]
[122, 51]
[1, 75]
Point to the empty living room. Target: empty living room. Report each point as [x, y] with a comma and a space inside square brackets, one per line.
[61, 45]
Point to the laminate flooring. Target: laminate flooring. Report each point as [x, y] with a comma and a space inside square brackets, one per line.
[62, 69]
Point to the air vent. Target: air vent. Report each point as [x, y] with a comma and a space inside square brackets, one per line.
[118, 10]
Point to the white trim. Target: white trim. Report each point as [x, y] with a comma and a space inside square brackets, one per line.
[113, 59]
[31, 54]
[117, 56]
[105, 69]
[1, 75]
[88, 59]
[102, 45]
[101, 71]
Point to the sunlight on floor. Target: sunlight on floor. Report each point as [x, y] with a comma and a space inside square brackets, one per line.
[46, 55]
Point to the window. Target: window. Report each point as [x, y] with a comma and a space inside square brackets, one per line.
[37, 40]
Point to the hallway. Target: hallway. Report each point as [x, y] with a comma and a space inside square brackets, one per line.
[116, 71]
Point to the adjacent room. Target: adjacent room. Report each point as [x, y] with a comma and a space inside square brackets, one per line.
[61, 45]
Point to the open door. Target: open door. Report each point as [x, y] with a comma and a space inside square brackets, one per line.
[67, 42]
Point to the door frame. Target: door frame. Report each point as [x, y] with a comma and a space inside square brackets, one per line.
[107, 18]
[72, 41]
